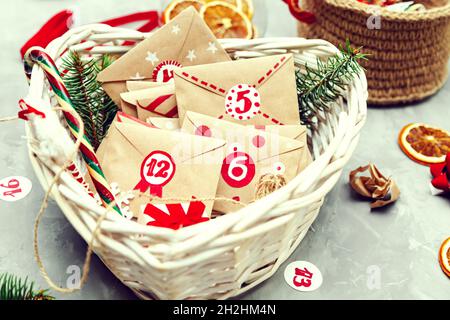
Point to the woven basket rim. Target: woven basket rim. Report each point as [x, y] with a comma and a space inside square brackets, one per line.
[366, 9]
[280, 220]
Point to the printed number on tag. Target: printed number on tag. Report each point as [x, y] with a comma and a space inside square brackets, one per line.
[242, 102]
[303, 276]
[14, 188]
[238, 169]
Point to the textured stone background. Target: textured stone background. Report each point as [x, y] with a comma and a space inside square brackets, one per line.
[346, 242]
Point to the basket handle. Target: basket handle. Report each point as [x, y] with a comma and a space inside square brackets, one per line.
[300, 14]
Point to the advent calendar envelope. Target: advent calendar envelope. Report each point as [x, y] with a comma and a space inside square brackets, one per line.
[248, 91]
[184, 41]
[139, 85]
[164, 123]
[296, 132]
[158, 101]
[250, 153]
[160, 163]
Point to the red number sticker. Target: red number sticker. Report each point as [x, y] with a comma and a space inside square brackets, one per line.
[157, 169]
[238, 169]
[242, 102]
[14, 188]
[164, 71]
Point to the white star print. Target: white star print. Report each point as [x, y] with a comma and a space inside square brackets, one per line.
[151, 56]
[212, 47]
[191, 55]
[176, 29]
[137, 76]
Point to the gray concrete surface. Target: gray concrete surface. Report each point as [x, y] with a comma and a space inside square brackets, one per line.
[388, 254]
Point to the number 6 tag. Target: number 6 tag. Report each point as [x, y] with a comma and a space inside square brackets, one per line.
[157, 169]
[238, 169]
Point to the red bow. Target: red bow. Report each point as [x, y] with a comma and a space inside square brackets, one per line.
[441, 174]
[177, 217]
[26, 109]
[61, 22]
[300, 14]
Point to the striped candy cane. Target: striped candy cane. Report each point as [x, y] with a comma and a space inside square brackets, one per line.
[39, 56]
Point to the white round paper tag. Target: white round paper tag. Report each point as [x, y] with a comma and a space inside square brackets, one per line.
[14, 188]
[303, 276]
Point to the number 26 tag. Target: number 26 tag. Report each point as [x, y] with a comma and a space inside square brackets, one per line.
[14, 188]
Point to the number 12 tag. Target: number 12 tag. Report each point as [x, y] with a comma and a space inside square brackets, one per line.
[157, 169]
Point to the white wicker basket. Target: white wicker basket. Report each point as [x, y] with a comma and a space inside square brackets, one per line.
[230, 254]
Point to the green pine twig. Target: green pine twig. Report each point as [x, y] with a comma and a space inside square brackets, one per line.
[318, 87]
[14, 288]
[94, 106]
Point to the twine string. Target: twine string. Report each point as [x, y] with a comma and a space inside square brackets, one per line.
[266, 184]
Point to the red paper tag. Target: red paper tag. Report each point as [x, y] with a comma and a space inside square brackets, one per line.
[157, 169]
[238, 169]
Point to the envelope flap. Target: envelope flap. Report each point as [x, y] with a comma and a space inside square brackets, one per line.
[145, 56]
[222, 76]
[219, 128]
[166, 140]
[134, 85]
[290, 131]
[162, 92]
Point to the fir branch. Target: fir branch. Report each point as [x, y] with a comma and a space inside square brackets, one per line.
[91, 102]
[14, 288]
[318, 87]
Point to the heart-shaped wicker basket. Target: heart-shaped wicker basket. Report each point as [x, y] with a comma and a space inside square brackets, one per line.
[225, 256]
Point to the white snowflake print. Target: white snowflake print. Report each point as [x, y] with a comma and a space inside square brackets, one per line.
[212, 47]
[122, 200]
[152, 57]
[176, 29]
[191, 55]
[137, 76]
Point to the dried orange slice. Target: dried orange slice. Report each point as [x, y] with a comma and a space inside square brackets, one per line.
[246, 6]
[444, 256]
[423, 143]
[176, 6]
[226, 21]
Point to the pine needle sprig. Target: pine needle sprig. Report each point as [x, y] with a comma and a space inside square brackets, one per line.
[318, 87]
[14, 288]
[94, 106]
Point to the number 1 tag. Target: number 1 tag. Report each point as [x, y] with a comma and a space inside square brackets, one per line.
[14, 188]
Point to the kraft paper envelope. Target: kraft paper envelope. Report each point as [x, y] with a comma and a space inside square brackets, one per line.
[184, 41]
[250, 153]
[296, 132]
[164, 123]
[160, 163]
[248, 91]
[158, 101]
[134, 85]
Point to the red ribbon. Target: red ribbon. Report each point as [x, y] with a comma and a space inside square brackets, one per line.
[27, 109]
[300, 14]
[143, 186]
[177, 217]
[441, 174]
[61, 22]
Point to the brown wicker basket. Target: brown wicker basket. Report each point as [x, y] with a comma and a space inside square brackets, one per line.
[409, 53]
